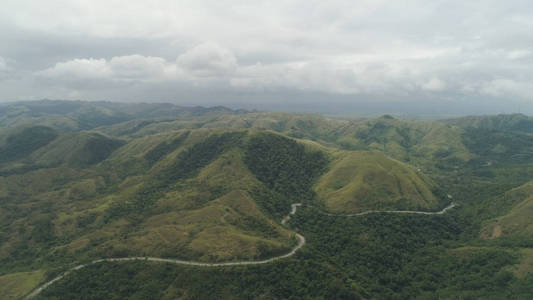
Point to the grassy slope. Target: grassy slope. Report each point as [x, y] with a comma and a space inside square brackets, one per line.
[517, 222]
[205, 216]
[362, 180]
[525, 265]
[178, 194]
[81, 149]
[16, 285]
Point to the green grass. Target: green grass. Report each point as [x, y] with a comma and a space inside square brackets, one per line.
[17, 285]
[77, 150]
[525, 267]
[359, 181]
[202, 207]
[517, 222]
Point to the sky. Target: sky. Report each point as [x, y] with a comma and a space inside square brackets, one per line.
[419, 57]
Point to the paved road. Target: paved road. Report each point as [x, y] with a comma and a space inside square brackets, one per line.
[452, 205]
[301, 243]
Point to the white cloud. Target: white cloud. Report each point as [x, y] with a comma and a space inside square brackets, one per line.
[335, 47]
[138, 67]
[120, 69]
[209, 64]
[78, 69]
[208, 60]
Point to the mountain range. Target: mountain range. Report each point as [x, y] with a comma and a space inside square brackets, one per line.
[81, 181]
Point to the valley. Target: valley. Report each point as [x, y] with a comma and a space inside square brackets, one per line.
[118, 194]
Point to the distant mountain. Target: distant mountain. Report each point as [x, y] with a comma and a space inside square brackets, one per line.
[512, 122]
[83, 115]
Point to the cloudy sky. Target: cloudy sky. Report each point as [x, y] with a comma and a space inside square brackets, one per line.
[435, 56]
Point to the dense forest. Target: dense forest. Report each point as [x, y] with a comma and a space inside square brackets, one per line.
[380, 256]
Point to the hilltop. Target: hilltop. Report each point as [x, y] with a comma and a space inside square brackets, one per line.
[361, 180]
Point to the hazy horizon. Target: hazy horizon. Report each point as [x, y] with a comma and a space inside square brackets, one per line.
[355, 111]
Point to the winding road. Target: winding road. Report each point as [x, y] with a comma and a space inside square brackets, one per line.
[301, 243]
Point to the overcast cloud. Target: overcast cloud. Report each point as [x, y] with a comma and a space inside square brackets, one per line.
[256, 53]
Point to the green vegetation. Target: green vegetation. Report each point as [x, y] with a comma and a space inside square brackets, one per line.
[76, 150]
[86, 180]
[287, 168]
[508, 123]
[406, 257]
[200, 155]
[194, 202]
[376, 256]
[524, 268]
[24, 141]
[360, 181]
[498, 147]
[164, 148]
[286, 280]
[515, 226]
[17, 285]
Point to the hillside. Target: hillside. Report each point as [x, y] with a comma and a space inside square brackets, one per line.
[515, 224]
[194, 198]
[420, 143]
[19, 142]
[360, 181]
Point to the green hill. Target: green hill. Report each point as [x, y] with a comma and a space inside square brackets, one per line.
[20, 142]
[207, 195]
[361, 180]
[80, 149]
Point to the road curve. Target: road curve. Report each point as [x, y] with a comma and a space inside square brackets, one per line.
[301, 243]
